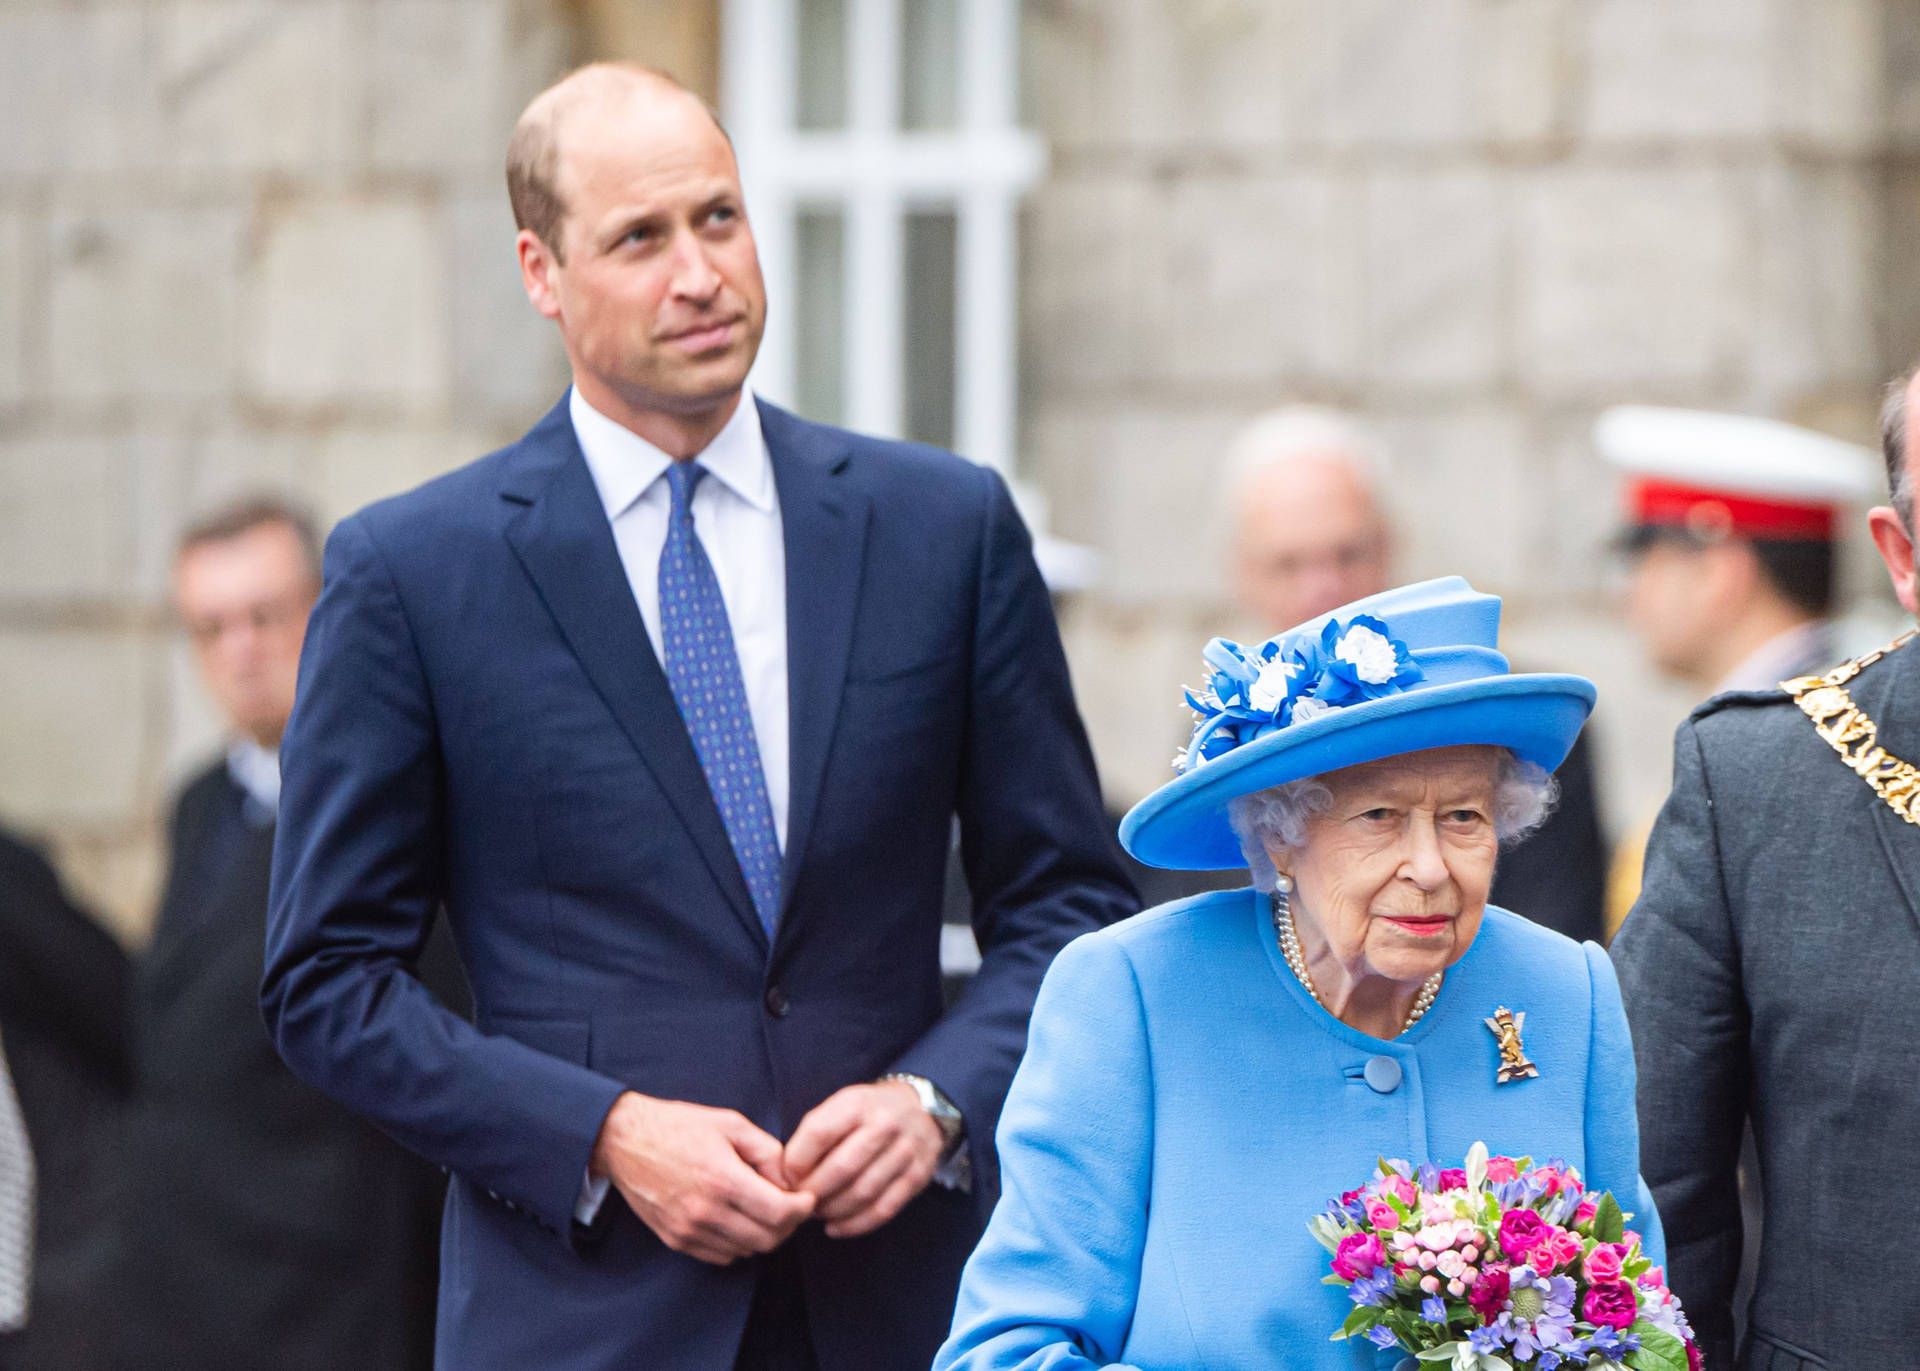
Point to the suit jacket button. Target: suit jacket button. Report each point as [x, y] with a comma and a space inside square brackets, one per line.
[777, 1002]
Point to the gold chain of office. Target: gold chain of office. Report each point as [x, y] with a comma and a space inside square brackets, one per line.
[1854, 735]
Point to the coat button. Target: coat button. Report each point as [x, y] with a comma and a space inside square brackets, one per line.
[777, 1002]
[1383, 1074]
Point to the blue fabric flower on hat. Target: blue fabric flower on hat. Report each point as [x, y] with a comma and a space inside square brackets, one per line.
[1251, 692]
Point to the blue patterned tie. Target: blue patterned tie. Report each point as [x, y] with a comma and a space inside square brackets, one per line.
[705, 674]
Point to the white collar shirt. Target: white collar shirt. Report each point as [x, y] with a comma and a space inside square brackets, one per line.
[256, 770]
[736, 513]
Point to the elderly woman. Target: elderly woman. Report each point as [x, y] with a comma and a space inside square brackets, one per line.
[1200, 1079]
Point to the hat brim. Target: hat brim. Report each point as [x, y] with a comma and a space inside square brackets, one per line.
[1183, 825]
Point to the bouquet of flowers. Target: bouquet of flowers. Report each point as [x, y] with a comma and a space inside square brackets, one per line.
[1500, 1265]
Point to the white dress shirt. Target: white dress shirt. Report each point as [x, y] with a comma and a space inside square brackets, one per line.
[736, 512]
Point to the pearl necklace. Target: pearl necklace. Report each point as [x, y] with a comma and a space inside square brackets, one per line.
[1297, 963]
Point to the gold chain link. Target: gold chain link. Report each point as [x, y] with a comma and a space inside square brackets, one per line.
[1854, 735]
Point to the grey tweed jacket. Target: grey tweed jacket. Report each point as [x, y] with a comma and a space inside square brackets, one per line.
[1771, 970]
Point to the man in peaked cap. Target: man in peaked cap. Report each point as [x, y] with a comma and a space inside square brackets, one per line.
[1731, 530]
[1768, 970]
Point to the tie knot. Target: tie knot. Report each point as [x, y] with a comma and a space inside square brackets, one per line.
[682, 478]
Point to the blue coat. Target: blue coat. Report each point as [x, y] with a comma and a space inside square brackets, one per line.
[1185, 1107]
[482, 725]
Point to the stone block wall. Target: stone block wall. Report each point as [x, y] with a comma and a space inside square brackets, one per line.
[264, 243]
[244, 244]
[1476, 223]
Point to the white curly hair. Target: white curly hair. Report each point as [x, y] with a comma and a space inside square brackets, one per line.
[1523, 796]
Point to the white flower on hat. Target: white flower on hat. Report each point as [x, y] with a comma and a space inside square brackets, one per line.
[1310, 708]
[1271, 686]
[1370, 654]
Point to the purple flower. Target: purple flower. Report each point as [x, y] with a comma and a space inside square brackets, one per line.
[1538, 1315]
[1381, 1336]
[1484, 1341]
[1608, 1343]
[1374, 1289]
[1434, 1308]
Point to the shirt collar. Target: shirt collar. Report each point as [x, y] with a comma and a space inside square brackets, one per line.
[624, 465]
[1785, 654]
[256, 770]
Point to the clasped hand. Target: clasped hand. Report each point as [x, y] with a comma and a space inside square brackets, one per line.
[712, 1184]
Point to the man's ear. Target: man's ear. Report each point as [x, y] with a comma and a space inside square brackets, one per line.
[537, 269]
[1891, 536]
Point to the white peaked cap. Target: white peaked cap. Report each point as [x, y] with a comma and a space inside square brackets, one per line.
[1737, 454]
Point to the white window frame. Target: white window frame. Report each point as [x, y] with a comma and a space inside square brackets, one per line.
[877, 173]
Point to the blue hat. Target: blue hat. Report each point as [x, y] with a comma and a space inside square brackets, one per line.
[1401, 671]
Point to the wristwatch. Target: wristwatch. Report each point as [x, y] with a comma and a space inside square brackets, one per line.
[942, 1110]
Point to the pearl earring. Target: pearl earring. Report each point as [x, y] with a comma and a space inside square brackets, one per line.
[1283, 883]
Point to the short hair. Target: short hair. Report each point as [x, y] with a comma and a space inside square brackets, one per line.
[1893, 444]
[533, 150]
[1294, 432]
[1523, 796]
[247, 514]
[1801, 571]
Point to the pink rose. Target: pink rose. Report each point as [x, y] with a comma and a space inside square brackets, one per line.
[1586, 1212]
[1550, 1179]
[1380, 1214]
[1560, 1248]
[1603, 1264]
[1501, 1169]
[1653, 1277]
[1611, 1303]
[1401, 1189]
[1359, 1254]
[1453, 1178]
[1521, 1230]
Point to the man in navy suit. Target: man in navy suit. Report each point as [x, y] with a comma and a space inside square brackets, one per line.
[671, 706]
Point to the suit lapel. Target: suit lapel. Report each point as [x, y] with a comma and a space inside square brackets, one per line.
[1893, 703]
[824, 524]
[560, 533]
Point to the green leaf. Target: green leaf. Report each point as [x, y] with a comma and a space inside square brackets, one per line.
[1363, 1317]
[1658, 1351]
[1444, 1352]
[1608, 1224]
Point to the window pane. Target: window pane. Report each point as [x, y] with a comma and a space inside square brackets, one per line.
[930, 64]
[820, 306]
[822, 79]
[931, 259]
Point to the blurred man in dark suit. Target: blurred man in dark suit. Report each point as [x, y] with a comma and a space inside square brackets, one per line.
[267, 1225]
[1311, 534]
[63, 1078]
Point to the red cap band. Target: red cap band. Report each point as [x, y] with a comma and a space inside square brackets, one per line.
[1668, 504]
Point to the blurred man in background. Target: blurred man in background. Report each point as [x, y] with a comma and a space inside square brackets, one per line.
[1730, 532]
[63, 1080]
[1310, 534]
[267, 1225]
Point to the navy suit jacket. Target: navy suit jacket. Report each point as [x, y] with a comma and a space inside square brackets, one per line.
[482, 726]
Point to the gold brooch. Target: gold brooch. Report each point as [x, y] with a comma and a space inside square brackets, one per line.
[1506, 1026]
